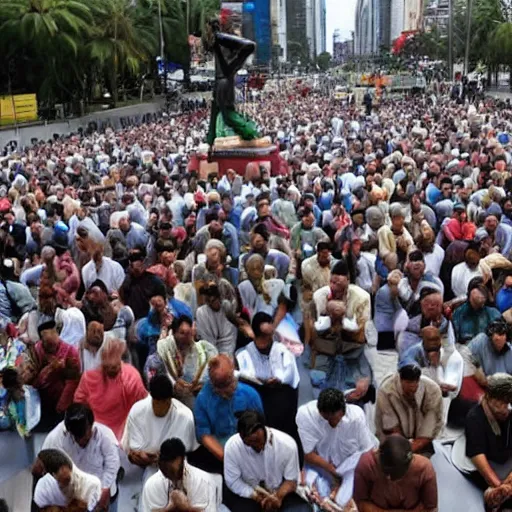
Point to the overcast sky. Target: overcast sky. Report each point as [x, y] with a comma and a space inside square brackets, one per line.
[340, 14]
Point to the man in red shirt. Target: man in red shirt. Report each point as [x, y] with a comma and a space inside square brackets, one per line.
[55, 373]
[393, 478]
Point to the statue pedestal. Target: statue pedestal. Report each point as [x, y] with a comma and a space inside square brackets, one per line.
[232, 153]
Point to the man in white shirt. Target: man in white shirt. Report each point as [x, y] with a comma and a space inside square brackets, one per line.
[102, 268]
[64, 485]
[334, 435]
[463, 272]
[261, 468]
[357, 302]
[213, 324]
[92, 447]
[274, 365]
[179, 487]
[152, 420]
[90, 351]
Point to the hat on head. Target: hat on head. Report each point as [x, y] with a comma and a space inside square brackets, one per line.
[60, 240]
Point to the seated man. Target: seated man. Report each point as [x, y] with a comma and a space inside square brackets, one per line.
[64, 485]
[178, 486]
[394, 478]
[259, 245]
[410, 286]
[411, 405]
[184, 360]
[333, 435]
[447, 369]
[491, 351]
[356, 300]
[112, 389]
[274, 365]
[473, 317]
[488, 444]
[217, 404]
[55, 373]
[261, 468]
[152, 420]
[348, 367]
[92, 447]
[316, 270]
[431, 304]
[90, 350]
[464, 272]
[212, 323]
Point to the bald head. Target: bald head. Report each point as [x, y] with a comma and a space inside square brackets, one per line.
[221, 367]
[431, 338]
[222, 377]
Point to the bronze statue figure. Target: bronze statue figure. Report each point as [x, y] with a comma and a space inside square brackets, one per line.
[230, 52]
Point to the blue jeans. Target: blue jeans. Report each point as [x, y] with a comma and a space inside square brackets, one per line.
[113, 506]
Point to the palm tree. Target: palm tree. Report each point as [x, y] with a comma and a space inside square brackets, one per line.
[487, 16]
[121, 40]
[48, 35]
[176, 26]
[501, 44]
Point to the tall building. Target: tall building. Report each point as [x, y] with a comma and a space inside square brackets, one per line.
[311, 27]
[385, 24]
[306, 29]
[407, 15]
[397, 18]
[298, 44]
[279, 31]
[343, 51]
[263, 32]
[367, 33]
[320, 26]
[436, 15]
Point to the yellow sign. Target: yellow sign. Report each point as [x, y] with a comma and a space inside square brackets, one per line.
[19, 108]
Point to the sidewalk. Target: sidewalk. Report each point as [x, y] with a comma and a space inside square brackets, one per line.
[502, 93]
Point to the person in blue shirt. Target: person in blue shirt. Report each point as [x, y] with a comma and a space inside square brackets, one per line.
[233, 212]
[215, 412]
[492, 350]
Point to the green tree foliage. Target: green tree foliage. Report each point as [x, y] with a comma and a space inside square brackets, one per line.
[65, 50]
[324, 61]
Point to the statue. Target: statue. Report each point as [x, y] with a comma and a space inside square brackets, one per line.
[230, 52]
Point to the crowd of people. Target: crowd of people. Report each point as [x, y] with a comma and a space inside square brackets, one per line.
[154, 316]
